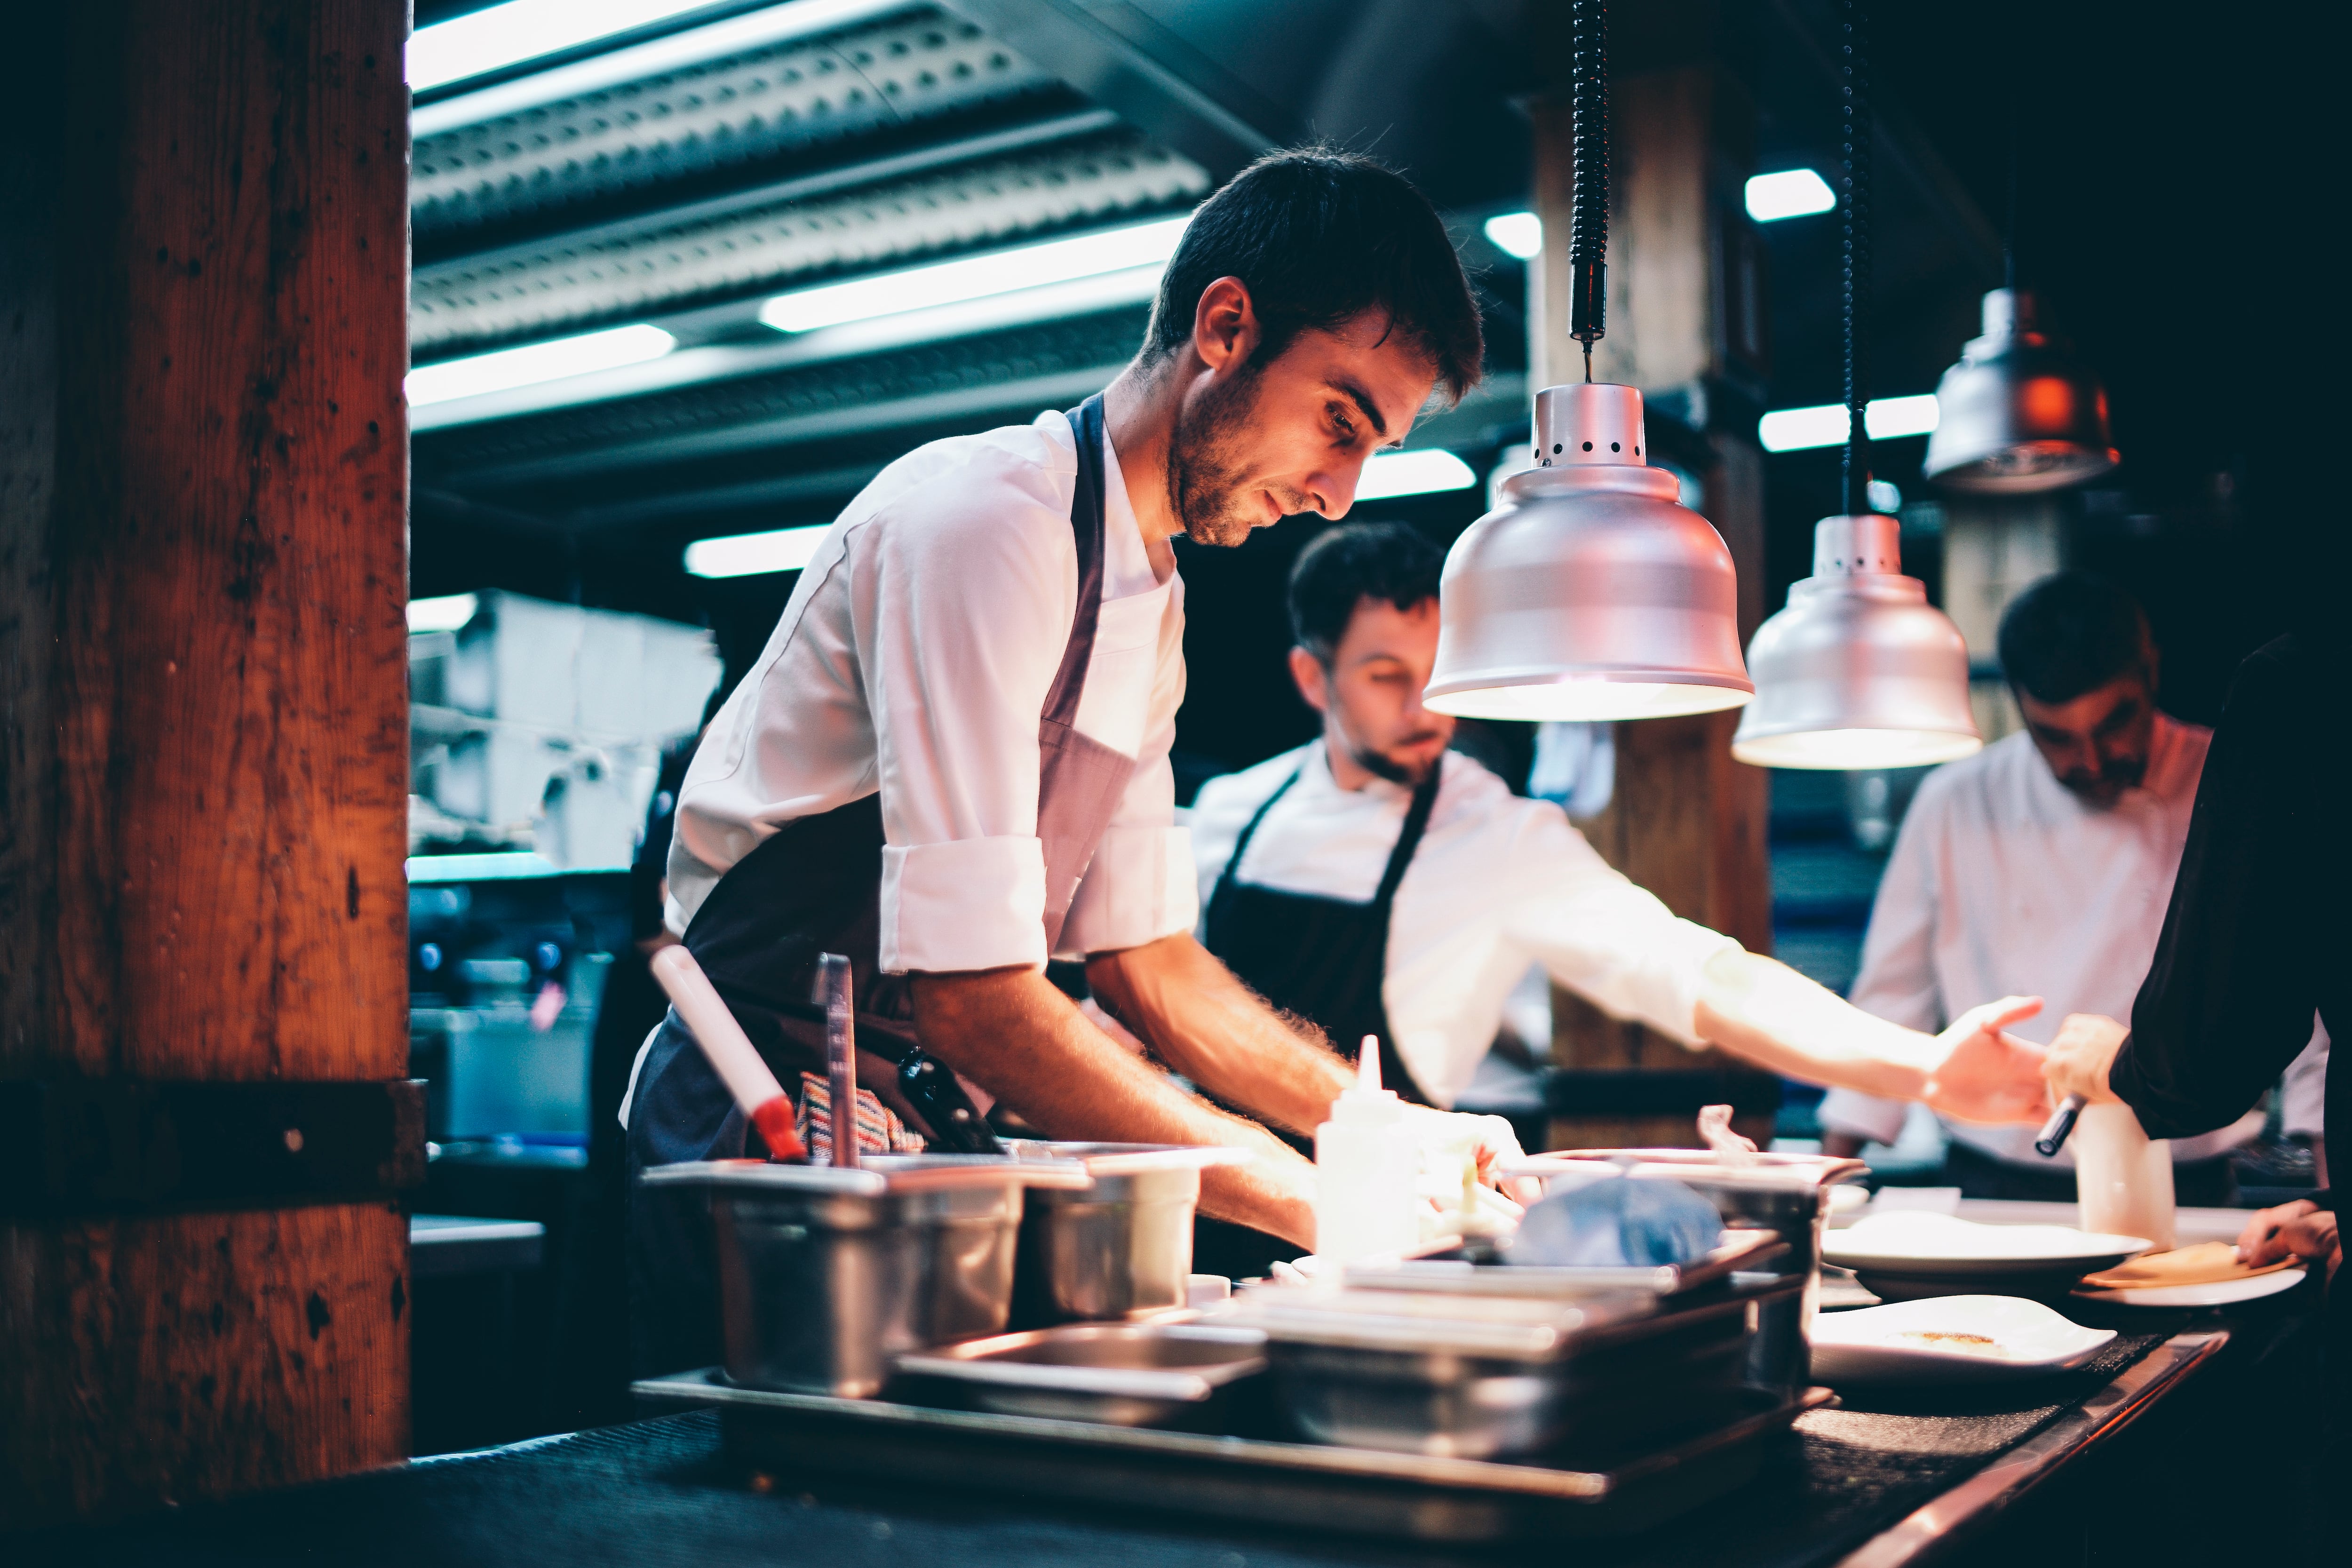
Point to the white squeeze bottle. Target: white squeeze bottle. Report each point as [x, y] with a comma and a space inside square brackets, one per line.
[1365, 1162]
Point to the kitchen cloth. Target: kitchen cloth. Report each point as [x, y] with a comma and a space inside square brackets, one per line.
[879, 1130]
[2207, 1263]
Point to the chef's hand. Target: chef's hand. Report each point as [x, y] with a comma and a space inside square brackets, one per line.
[1494, 1141]
[1986, 1074]
[2081, 1054]
[2299, 1230]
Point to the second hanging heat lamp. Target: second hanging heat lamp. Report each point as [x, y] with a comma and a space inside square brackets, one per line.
[1858, 671]
[1591, 594]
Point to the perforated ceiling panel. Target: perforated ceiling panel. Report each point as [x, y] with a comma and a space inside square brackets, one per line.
[792, 95]
[629, 272]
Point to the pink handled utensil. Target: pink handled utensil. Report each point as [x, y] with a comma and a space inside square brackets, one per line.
[730, 1052]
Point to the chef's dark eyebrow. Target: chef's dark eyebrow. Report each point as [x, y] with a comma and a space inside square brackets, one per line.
[1362, 400]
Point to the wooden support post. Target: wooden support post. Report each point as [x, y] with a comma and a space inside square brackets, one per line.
[1685, 308]
[202, 716]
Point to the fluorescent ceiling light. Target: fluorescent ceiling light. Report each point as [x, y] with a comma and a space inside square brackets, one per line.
[520, 30]
[1520, 234]
[748, 555]
[975, 277]
[499, 866]
[1888, 419]
[1413, 474]
[1791, 193]
[533, 362]
[445, 614]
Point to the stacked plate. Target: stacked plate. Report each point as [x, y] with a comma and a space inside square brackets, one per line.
[1910, 1254]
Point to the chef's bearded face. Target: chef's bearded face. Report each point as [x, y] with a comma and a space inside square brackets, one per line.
[1369, 691]
[1258, 437]
[2097, 744]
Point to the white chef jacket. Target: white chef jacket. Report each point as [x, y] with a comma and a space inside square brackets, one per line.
[2003, 883]
[1498, 883]
[914, 656]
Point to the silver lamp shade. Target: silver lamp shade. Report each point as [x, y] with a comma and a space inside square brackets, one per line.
[2017, 414]
[1858, 671]
[1591, 593]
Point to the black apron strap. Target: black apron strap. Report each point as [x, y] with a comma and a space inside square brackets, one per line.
[1416, 823]
[1249, 831]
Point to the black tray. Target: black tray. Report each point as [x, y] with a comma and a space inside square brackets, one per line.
[1251, 1480]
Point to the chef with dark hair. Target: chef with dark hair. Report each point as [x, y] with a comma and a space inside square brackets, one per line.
[1375, 882]
[950, 761]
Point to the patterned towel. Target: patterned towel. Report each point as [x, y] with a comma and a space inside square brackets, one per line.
[879, 1130]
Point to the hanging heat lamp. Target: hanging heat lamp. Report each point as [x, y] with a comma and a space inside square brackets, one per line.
[1858, 671]
[2018, 414]
[1591, 593]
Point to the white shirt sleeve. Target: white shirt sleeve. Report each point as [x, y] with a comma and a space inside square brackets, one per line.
[959, 609]
[2303, 1096]
[1139, 886]
[1597, 934]
[1898, 981]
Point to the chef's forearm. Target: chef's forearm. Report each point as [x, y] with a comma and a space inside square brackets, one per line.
[1010, 1032]
[1766, 1012]
[1212, 1028]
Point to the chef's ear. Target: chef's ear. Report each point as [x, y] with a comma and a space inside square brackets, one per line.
[1313, 678]
[1225, 330]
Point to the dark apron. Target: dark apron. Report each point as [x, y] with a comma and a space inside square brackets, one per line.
[815, 886]
[1322, 959]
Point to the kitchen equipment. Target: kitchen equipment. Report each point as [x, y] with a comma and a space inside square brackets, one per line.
[2060, 1127]
[1786, 1194]
[1122, 1242]
[840, 1055]
[826, 1272]
[1951, 1339]
[731, 1053]
[1367, 1166]
[1608, 1489]
[1476, 1377]
[1739, 1249]
[1124, 1374]
[2123, 1178]
[1910, 1253]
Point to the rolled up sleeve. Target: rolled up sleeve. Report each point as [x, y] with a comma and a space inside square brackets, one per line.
[960, 610]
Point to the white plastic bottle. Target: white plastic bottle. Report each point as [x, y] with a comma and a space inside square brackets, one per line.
[1366, 1165]
[2123, 1177]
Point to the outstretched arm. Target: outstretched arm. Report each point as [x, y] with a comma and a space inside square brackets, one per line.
[1767, 1012]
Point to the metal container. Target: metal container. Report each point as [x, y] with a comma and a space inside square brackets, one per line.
[1475, 1377]
[826, 1274]
[1120, 1246]
[1786, 1193]
[1120, 1374]
[1741, 1250]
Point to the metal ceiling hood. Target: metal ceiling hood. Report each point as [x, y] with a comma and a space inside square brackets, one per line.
[1858, 671]
[1591, 594]
[2018, 414]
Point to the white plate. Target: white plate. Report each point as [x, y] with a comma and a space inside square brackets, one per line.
[2008, 1338]
[2220, 1293]
[1912, 1242]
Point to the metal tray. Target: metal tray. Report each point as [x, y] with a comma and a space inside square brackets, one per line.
[1125, 1374]
[1740, 1249]
[1249, 1479]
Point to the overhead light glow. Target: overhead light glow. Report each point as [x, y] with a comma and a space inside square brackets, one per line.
[1824, 425]
[1414, 473]
[749, 554]
[497, 866]
[1519, 233]
[520, 30]
[533, 362]
[976, 277]
[445, 614]
[1791, 193]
